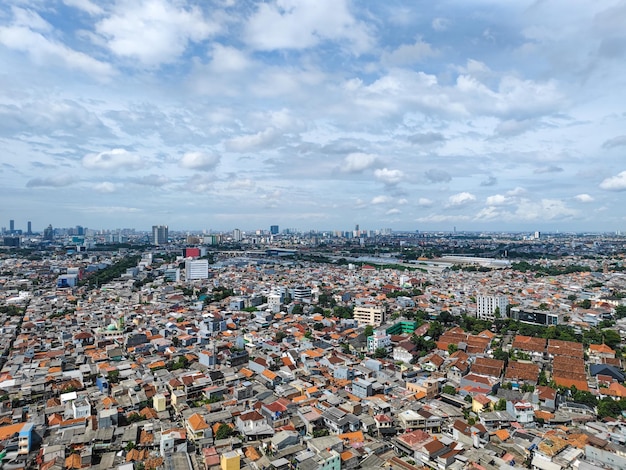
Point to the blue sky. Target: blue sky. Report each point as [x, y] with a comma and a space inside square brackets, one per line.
[421, 115]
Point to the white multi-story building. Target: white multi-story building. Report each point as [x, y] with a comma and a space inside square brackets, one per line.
[486, 306]
[196, 269]
[369, 315]
[380, 339]
[301, 293]
[274, 302]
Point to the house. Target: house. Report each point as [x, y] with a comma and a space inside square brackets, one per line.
[253, 425]
[230, 460]
[410, 443]
[597, 352]
[284, 439]
[196, 427]
[410, 420]
[340, 422]
[480, 403]
[522, 411]
[384, 425]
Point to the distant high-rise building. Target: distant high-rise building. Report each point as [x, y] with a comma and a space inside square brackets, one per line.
[237, 237]
[11, 225]
[29, 230]
[274, 229]
[160, 234]
[80, 231]
[48, 233]
[537, 235]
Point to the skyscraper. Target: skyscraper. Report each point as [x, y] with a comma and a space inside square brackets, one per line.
[48, 233]
[237, 237]
[29, 230]
[274, 229]
[160, 234]
[11, 226]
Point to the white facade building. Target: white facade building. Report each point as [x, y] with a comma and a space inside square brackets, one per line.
[486, 306]
[196, 269]
[380, 339]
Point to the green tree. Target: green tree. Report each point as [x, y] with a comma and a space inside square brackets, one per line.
[584, 397]
[223, 431]
[380, 353]
[452, 348]
[449, 389]
[585, 304]
[501, 355]
[500, 405]
[611, 338]
[369, 331]
[609, 407]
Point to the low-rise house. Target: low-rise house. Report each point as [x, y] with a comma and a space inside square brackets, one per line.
[410, 420]
[253, 425]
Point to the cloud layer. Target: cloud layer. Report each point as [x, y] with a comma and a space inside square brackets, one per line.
[313, 114]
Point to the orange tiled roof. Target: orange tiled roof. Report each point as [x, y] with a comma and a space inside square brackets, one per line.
[196, 422]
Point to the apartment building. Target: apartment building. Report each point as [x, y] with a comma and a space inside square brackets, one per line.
[487, 306]
[369, 315]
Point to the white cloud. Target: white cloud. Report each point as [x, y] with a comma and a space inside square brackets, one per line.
[461, 199]
[239, 184]
[584, 198]
[29, 33]
[615, 183]
[518, 191]
[393, 211]
[381, 200]
[105, 187]
[438, 218]
[489, 213]
[249, 142]
[154, 32]
[545, 209]
[498, 200]
[440, 24]
[408, 54]
[199, 184]
[301, 24]
[85, 5]
[199, 161]
[389, 177]
[357, 162]
[424, 202]
[228, 59]
[111, 160]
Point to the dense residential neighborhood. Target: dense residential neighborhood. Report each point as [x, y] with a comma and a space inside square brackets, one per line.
[179, 357]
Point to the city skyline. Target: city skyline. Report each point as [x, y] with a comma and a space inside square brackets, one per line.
[213, 115]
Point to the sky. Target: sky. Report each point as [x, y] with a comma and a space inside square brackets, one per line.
[314, 114]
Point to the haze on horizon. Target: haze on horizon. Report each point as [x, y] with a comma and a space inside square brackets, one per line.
[484, 115]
